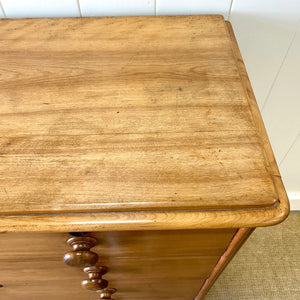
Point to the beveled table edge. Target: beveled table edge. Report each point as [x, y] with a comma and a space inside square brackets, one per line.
[166, 220]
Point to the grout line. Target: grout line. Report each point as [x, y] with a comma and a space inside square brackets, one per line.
[290, 148]
[230, 8]
[278, 72]
[2, 8]
[79, 8]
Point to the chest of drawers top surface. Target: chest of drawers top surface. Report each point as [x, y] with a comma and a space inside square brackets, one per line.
[135, 121]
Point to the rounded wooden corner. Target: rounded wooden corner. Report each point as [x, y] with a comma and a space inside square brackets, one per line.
[283, 204]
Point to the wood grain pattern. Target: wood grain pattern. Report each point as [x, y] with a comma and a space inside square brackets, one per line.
[153, 243]
[253, 105]
[235, 244]
[121, 172]
[162, 265]
[128, 127]
[151, 120]
[94, 124]
[150, 220]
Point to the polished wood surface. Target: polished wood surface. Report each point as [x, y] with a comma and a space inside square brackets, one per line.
[107, 293]
[129, 128]
[197, 141]
[257, 118]
[235, 244]
[149, 220]
[95, 282]
[126, 114]
[81, 255]
[141, 265]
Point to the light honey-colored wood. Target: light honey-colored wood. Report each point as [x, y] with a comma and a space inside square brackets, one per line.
[151, 220]
[97, 119]
[142, 131]
[137, 171]
[162, 265]
[166, 137]
[270, 158]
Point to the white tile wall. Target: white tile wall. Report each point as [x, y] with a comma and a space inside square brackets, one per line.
[117, 7]
[281, 113]
[192, 7]
[1, 13]
[264, 30]
[266, 33]
[39, 8]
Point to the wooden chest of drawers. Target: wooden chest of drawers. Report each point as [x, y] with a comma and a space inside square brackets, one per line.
[140, 139]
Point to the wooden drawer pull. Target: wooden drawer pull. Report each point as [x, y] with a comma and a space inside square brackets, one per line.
[107, 293]
[81, 256]
[95, 281]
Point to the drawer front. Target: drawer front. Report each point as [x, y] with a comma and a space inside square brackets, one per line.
[142, 264]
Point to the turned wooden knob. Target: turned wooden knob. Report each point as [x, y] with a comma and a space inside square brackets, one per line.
[95, 281]
[106, 293]
[81, 256]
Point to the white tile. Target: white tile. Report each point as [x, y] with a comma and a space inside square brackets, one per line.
[1, 13]
[294, 203]
[281, 112]
[192, 7]
[290, 171]
[264, 30]
[117, 7]
[39, 8]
